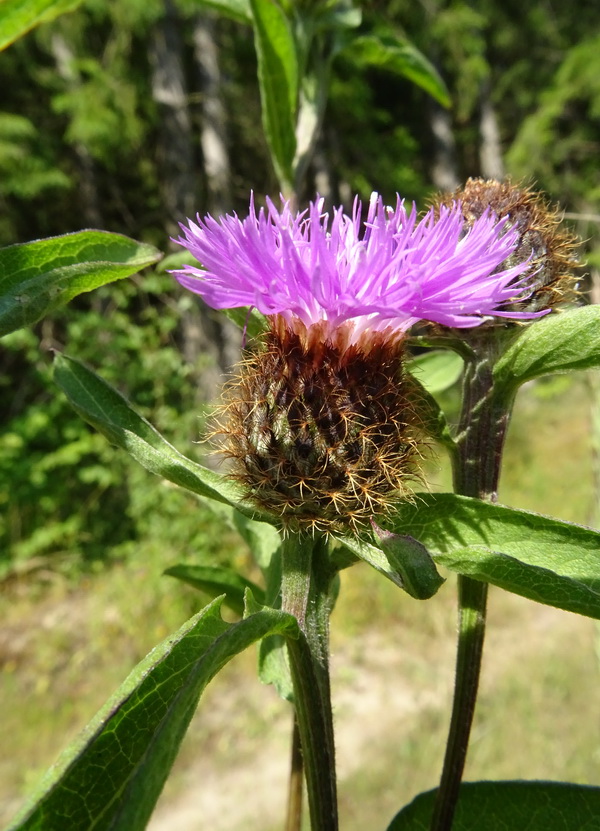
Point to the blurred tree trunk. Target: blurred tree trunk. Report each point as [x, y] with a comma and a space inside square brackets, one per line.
[490, 151]
[215, 154]
[206, 336]
[64, 59]
[213, 130]
[175, 144]
[444, 169]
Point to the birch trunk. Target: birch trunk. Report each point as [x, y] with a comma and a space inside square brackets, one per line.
[444, 170]
[490, 150]
[89, 200]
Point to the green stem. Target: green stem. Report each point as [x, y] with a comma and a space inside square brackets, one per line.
[477, 463]
[305, 594]
[472, 598]
[294, 805]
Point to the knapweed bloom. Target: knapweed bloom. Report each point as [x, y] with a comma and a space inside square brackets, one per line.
[323, 421]
[550, 250]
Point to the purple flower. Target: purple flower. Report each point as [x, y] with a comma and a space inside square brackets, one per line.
[388, 272]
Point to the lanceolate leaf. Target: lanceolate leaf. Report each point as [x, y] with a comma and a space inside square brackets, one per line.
[433, 372]
[17, 17]
[556, 343]
[545, 559]
[396, 54]
[106, 410]
[278, 79]
[215, 581]
[507, 806]
[381, 560]
[420, 578]
[235, 9]
[37, 277]
[112, 776]
[261, 537]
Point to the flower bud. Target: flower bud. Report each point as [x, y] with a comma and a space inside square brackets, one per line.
[549, 249]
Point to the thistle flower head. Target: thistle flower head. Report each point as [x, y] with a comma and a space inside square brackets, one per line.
[322, 422]
[386, 272]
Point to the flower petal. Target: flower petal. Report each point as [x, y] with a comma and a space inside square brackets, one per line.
[388, 271]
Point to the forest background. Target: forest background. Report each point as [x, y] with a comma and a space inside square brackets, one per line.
[130, 116]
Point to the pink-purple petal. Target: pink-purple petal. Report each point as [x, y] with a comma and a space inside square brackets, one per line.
[389, 270]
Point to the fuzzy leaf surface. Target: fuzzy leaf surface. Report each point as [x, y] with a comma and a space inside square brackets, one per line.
[544, 559]
[216, 581]
[111, 777]
[17, 17]
[274, 666]
[398, 55]
[105, 409]
[278, 81]
[556, 343]
[420, 577]
[507, 806]
[382, 560]
[37, 277]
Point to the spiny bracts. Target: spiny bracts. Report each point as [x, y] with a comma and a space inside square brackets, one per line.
[549, 249]
[323, 432]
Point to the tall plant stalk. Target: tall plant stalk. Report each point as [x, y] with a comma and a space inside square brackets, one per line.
[476, 472]
[306, 580]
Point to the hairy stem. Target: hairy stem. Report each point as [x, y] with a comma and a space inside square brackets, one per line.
[306, 581]
[477, 463]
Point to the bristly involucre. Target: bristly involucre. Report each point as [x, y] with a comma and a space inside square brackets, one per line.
[323, 434]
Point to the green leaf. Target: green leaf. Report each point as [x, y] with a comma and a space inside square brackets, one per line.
[261, 537]
[250, 321]
[544, 559]
[37, 277]
[106, 410]
[336, 16]
[216, 581]
[431, 415]
[420, 577]
[433, 418]
[507, 806]
[238, 10]
[274, 666]
[397, 54]
[111, 777]
[557, 343]
[17, 17]
[382, 561]
[437, 370]
[278, 80]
